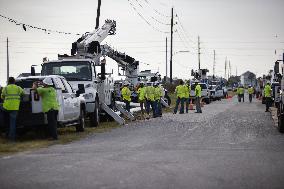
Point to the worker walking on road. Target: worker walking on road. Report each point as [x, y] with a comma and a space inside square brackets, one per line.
[141, 98]
[150, 99]
[242, 92]
[126, 95]
[198, 98]
[11, 94]
[180, 98]
[267, 95]
[186, 95]
[158, 96]
[50, 104]
[250, 92]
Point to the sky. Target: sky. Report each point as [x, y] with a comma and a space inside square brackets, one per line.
[246, 32]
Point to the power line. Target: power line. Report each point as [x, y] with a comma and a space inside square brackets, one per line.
[143, 18]
[156, 11]
[25, 26]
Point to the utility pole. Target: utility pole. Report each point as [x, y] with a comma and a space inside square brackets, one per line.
[198, 52]
[230, 69]
[214, 64]
[7, 60]
[166, 58]
[98, 14]
[236, 71]
[225, 68]
[171, 58]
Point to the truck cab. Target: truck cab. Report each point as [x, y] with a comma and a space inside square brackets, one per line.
[82, 72]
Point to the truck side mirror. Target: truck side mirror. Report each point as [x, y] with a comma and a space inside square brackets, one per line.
[81, 89]
[103, 69]
[32, 71]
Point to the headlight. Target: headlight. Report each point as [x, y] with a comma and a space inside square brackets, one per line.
[88, 96]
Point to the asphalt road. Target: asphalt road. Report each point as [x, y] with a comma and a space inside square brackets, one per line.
[231, 145]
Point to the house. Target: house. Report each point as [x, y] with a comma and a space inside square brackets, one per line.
[248, 78]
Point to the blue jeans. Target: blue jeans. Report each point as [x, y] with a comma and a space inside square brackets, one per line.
[127, 105]
[12, 129]
[153, 105]
[187, 100]
[158, 108]
[198, 105]
[181, 102]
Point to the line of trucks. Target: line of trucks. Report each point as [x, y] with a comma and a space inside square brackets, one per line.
[84, 89]
[276, 78]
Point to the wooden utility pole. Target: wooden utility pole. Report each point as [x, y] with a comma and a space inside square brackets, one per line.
[98, 14]
[8, 66]
[214, 64]
[198, 52]
[225, 68]
[166, 58]
[171, 58]
[230, 69]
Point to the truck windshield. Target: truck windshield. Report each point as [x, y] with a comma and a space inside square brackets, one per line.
[72, 71]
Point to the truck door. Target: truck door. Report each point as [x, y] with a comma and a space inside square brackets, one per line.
[74, 101]
[66, 104]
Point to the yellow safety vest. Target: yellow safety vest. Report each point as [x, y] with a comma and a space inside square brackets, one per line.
[267, 91]
[150, 93]
[141, 94]
[250, 90]
[198, 91]
[12, 97]
[49, 98]
[126, 94]
[241, 90]
[180, 91]
[186, 91]
[158, 93]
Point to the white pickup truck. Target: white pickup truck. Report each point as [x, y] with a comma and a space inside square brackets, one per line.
[204, 92]
[72, 107]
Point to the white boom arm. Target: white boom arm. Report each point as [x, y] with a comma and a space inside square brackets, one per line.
[88, 46]
[128, 64]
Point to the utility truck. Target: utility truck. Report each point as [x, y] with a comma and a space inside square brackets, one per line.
[81, 68]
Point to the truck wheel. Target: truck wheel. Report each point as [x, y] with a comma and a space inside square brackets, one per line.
[81, 126]
[281, 123]
[207, 101]
[95, 117]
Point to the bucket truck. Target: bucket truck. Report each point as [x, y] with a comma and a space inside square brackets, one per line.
[81, 69]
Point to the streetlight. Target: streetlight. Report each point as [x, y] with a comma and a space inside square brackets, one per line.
[171, 71]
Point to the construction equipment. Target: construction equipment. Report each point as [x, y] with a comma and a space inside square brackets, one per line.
[80, 68]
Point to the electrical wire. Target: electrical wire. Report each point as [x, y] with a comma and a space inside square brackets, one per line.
[156, 11]
[24, 26]
[142, 17]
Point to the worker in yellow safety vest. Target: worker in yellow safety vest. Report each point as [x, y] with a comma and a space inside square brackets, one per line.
[267, 95]
[186, 95]
[126, 95]
[180, 92]
[242, 93]
[141, 98]
[198, 97]
[158, 96]
[150, 99]
[11, 94]
[50, 105]
[250, 92]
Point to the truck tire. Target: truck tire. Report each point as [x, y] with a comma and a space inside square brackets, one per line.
[207, 100]
[95, 117]
[281, 122]
[81, 126]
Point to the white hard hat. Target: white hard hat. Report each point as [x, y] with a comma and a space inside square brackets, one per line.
[149, 83]
[156, 83]
[126, 83]
[48, 81]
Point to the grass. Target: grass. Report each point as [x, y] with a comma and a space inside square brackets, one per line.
[34, 140]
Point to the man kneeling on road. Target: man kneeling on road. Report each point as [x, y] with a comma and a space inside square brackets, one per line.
[50, 105]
